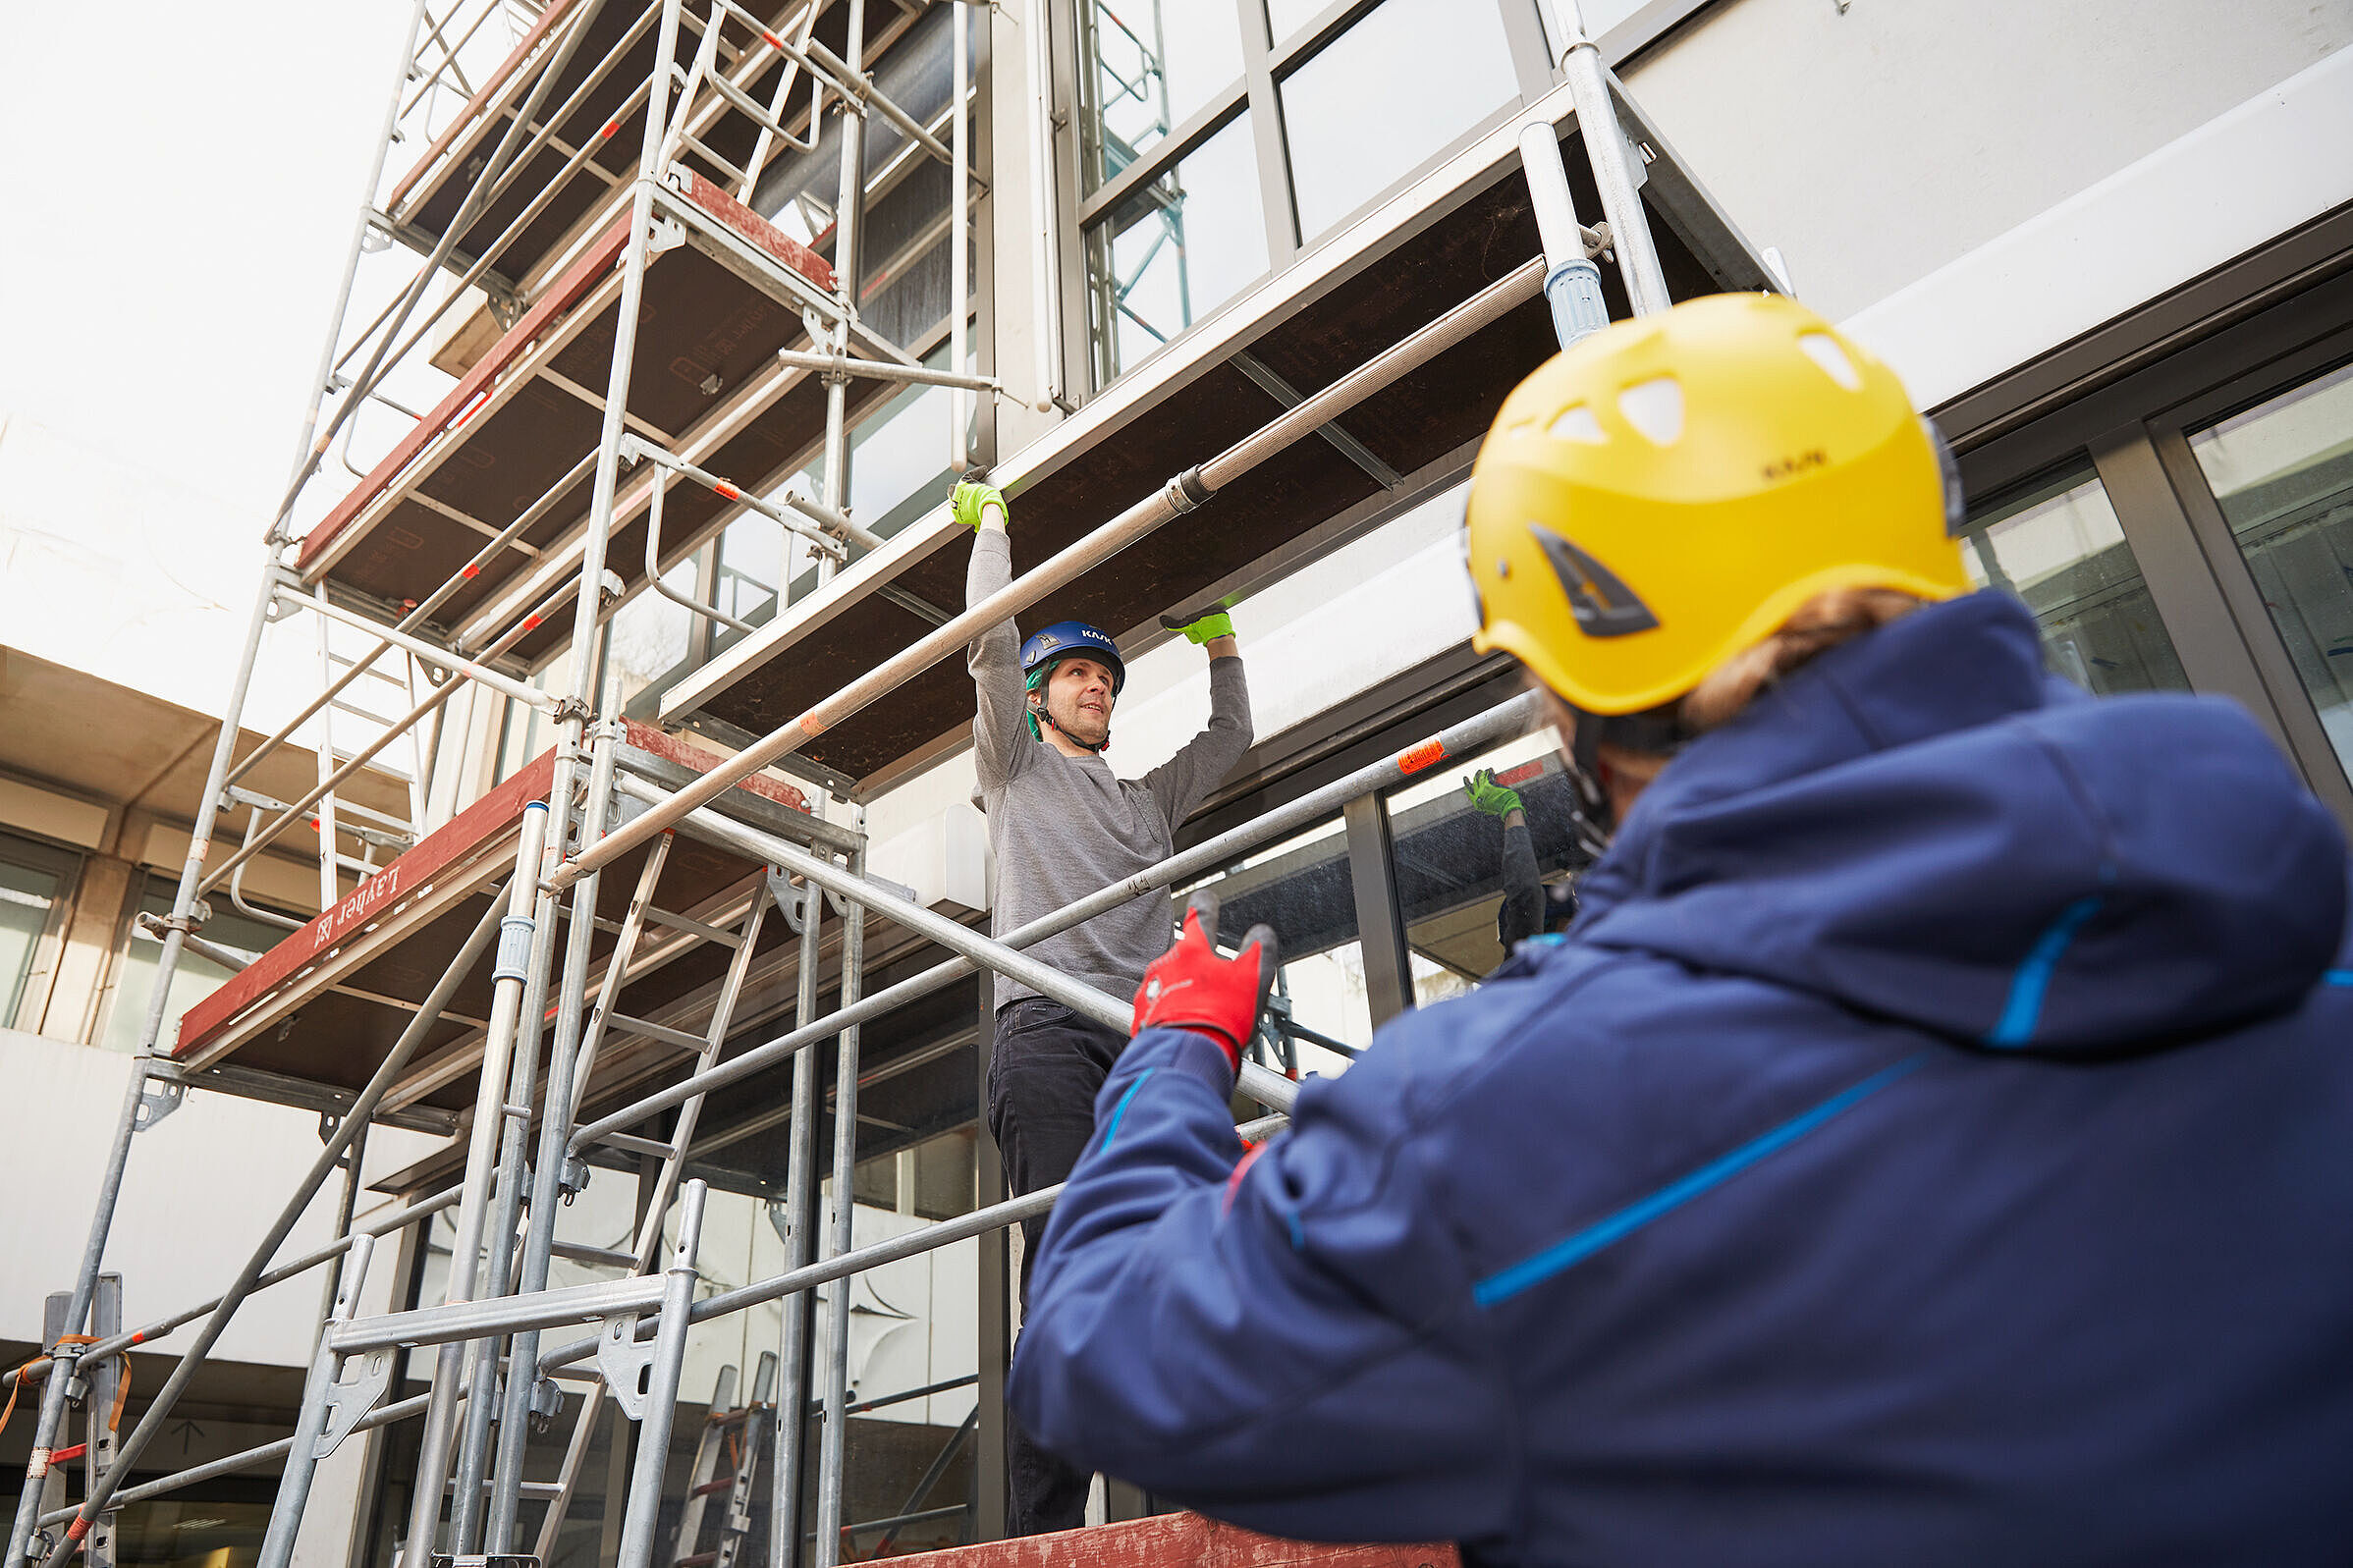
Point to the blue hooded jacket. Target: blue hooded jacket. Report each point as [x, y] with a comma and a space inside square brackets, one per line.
[1933, 1144]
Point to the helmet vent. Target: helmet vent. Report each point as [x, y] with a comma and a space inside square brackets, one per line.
[1655, 408]
[1824, 350]
[1603, 605]
[1578, 424]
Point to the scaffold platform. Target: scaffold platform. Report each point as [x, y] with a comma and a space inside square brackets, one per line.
[512, 437]
[594, 110]
[326, 1003]
[1407, 264]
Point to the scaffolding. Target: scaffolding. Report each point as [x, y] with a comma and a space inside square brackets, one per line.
[604, 906]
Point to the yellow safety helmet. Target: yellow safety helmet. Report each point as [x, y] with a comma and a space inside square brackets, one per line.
[1667, 490]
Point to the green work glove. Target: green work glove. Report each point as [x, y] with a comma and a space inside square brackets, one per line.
[1488, 795]
[1217, 624]
[969, 498]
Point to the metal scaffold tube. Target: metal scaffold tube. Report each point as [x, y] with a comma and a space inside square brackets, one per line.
[792, 1371]
[793, 1284]
[517, 931]
[301, 1454]
[662, 1389]
[832, 1453]
[356, 1117]
[1268, 1088]
[1614, 167]
[1183, 493]
[1498, 723]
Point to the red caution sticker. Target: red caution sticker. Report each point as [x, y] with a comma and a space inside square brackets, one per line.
[727, 492]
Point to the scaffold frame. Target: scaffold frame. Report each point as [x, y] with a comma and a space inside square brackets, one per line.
[519, 886]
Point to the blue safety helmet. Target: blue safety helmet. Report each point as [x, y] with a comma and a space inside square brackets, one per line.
[1066, 639]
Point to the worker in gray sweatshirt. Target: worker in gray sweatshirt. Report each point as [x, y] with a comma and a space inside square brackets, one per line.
[1064, 826]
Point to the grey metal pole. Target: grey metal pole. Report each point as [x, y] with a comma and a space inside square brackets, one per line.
[516, 940]
[363, 384]
[1613, 171]
[850, 201]
[1571, 282]
[662, 1393]
[833, 1452]
[135, 1093]
[1268, 1088]
[1183, 493]
[105, 1383]
[473, 1446]
[346, 1200]
[800, 1154]
[555, 1129]
[905, 1245]
[302, 1457]
[363, 1106]
[538, 1241]
[1500, 723]
[360, 224]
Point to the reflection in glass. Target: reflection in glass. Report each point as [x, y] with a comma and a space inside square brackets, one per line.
[194, 978]
[1149, 63]
[1175, 250]
[1286, 17]
[26, 898]
[2283, 474]
[1302, 888]
[2060, 549]
[1451, 871]
[1394, 88]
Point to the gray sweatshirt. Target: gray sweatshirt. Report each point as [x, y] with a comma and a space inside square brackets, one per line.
[1065, 827]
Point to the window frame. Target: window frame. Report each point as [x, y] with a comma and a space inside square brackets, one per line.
[41, 964]
[2127, 396]
[1266, 62]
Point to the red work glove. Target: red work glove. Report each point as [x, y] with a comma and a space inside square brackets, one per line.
[1192, 986]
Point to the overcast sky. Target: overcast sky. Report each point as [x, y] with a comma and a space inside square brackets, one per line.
[177, 188]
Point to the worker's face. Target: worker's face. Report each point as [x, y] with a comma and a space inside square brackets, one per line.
[1078, 698]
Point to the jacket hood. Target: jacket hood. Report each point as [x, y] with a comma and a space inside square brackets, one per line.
[1923, 824]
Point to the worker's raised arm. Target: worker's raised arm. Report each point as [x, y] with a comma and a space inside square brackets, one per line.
[1272, 1336]
[1000, 741]
[1180, 783]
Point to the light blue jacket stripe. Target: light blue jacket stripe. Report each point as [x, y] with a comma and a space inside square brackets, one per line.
[2024, 1009]
[1561, 1254]
[1111, 1128]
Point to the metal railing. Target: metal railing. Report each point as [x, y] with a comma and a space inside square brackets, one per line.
[524, 1140]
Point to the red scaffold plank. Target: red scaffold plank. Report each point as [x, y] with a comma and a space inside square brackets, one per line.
[714, 200]
[480, 823]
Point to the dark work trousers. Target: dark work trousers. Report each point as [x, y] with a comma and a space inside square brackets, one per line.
[1044, 1071]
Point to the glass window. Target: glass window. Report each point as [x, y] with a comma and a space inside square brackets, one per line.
[651, 639]
[1453, 870]
[1286, 17]
[1151, 62]
[33, 888]
[2283, 475]
[1175, 248]
[194, 978]
[2059, 548]
[1397, 87]
[1303, 889]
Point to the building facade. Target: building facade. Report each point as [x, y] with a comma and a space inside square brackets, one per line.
[2110, 252]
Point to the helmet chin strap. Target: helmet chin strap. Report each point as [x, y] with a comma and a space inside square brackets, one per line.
[1039, 712]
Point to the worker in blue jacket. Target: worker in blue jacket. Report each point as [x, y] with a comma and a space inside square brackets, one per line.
[1933, 1143]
